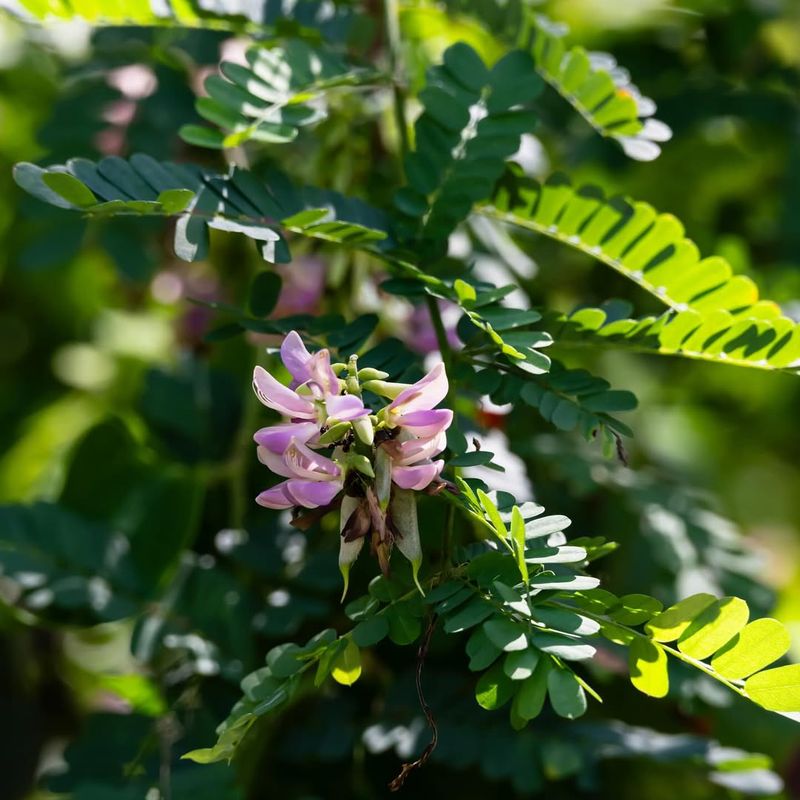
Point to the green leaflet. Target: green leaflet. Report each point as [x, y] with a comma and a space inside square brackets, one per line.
[471, 614]
[267, 100]
[346, 667]
[494, 688]
[776, 689]
[202, 200]
[609, 102]
[506, 634]
[670, 624]
[716, 315]
[647, 662]
[482, 653]
[634, 609]
[714, 627]
[520, 666]
[370, 631]
[756, 646]
[530, 696]
[264, 292]
[566, 694]
[471, 124]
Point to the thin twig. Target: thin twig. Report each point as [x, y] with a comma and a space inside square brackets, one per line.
[408, 768]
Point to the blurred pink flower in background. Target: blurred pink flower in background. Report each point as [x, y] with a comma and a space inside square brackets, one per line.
[419, 333]
[303, 286]
[134, 82]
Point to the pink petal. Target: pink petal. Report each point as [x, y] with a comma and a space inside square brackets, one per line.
[311, 494]
[278, 437]
[320, 372]
[305, 463]
[295, 357]
[275, 463]
[422, 395]
[416, 450]
[276, 497]
[345, 407]
[278, 397]
[417, 477]
[427, 423]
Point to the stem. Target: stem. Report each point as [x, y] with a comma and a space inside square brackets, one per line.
[703, 667]
[237, 476]
[165, 739]
[447, 542]
[408, 768]
[438, 327]
[392, 23]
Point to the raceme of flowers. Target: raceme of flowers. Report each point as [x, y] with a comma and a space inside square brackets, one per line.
[334, 451]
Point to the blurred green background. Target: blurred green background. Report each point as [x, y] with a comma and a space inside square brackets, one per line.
[107, 382]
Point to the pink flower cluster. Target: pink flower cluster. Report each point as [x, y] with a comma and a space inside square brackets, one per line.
[377, 457]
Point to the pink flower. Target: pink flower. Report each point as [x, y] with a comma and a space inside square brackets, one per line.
[382, 472]
[422, 433]
[414, 410]
[273, 394]
[418, 331]
[412, 466]
[277, 438]
[313, 400]
[313, 479]
[307, 368]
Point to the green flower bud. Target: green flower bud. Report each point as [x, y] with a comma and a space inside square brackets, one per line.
[358, 462]
[335, 433]
[371, 374]
[385, 388]
[364, 430]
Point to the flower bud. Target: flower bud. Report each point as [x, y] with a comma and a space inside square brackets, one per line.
[335, 433]
[372, 374]
[364, 430]
[385, 388]
[358, 462]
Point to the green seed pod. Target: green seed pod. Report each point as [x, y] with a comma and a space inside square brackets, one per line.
[348, 551]
[403, 510]
[383, 477]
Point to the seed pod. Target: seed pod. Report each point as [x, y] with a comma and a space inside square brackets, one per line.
[383, 477]
[348, 551]
[403, 512]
